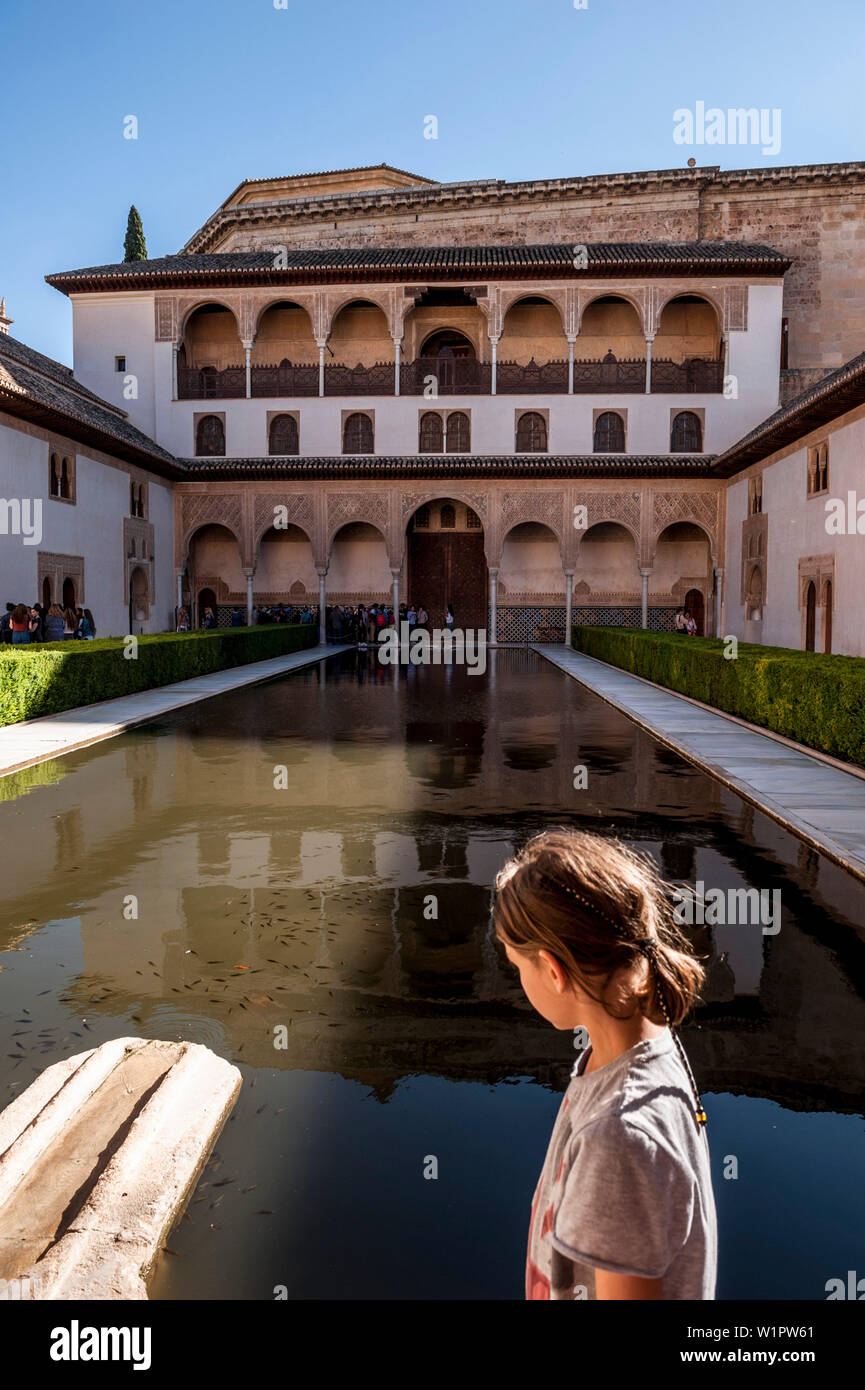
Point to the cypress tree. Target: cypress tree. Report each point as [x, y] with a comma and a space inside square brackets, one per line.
[134, 248]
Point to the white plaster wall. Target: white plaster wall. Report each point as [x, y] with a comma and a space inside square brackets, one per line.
[796, 529]
[91, 528]
[531, 561]
[358, 561]
[106, 326]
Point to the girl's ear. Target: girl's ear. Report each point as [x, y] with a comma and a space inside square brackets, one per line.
[556, 974]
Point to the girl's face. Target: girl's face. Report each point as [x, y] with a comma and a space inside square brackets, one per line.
[547, 987]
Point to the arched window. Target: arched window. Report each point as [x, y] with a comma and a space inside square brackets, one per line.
[421, 519]
[209, 436]
[55, 476]
[431, 433]
[810, 615]
[357, 434]
[459, 433]
[686, 436]
[141, 499]
[609, 433]
[473, 521]
[65, 488]
[531, 433]
[448, 517]
[823, 467]
[284, 437]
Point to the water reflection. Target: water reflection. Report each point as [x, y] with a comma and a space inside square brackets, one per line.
[182, 890]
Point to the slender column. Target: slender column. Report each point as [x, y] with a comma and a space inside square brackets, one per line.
[725, 355]
[572, 338]
[644, 598]
[322, 603]
[248, 574]
[719, 601]
[494, 603]
[569, 605]
[494, 343]
[649, 342]
[395, 575]
[174, 350]
[247, 349]
[321, 348]
[179, 576]
[397, 345]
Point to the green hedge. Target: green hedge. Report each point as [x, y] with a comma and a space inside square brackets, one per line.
[815, 699]
[52, 676]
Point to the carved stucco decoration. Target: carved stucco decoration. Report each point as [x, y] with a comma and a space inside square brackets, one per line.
[410, 501]
[299, 511]
[138, 553]
[344, 507]
[543, 507]
[755, 531]
[210, 509]
[56, 568]
[700, 508]
[621, 507]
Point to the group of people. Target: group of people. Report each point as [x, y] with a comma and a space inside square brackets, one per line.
[685, 622]
[363, 625]
[23, 623]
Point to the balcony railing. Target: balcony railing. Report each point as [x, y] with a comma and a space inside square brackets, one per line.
[454, 376]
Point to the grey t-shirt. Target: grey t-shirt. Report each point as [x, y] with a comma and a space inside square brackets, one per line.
[626, 1184]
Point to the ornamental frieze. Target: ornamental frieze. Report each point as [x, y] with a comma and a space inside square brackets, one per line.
[623, 507]
[700, 507]
[545, 507]
[211, 509]
[298, 511]
[343, 507]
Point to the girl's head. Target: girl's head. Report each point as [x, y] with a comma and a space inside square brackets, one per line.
[19, 613]
[575, 908]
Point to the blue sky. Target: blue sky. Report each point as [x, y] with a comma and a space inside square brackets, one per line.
[228, 89]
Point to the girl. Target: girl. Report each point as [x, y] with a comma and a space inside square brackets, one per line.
[20, 623]
[624, 1207]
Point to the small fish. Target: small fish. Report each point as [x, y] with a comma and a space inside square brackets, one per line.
[168, 1251]
[265, 1211]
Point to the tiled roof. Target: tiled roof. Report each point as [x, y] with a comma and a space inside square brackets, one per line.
[603, 258]
[451, 466]
[834, 395]
[37, 388]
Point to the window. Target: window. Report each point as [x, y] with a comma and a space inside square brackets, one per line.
[459, 433]
[209, 436]
[818, 469]
[531, 433]
[431, 433]
[473, 521]
[284, 435]
[357, 434]
[609, 433]
[120, 364]
[61, 477]
[421, 519]
[686, 436]
[54, 481]
[448, 517]
[755, 495]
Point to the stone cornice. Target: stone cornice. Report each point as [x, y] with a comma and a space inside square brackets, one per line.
[489, 192]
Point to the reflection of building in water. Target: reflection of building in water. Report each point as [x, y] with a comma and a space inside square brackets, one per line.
[322, 890]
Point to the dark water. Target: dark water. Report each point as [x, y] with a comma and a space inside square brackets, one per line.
[407, 1034]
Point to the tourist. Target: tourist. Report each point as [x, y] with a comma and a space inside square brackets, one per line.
[182, 620]
[422, 616]
[87, 627]
[372, 623]
[37, 625]
[6, 624]
[624, 1207]
[336, 623]
[236, 618]
[690, 624]
[54, 624]
[209, 619]
[19, 624]
[449, 618]
[681, 621]
[70, 624]
[411, 617]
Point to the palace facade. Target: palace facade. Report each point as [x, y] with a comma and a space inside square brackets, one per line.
[589, 400]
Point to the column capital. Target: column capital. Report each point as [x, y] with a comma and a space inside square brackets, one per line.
[321, 571]
[248, 344]
[572, 337]
[645, 571]
[493, 570]
[248, 572]
[719, 571]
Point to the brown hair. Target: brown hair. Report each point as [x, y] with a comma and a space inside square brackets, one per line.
[599, 908]
[19, 613]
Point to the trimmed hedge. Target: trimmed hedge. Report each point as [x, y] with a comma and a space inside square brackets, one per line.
[815, 699]
[51, 676]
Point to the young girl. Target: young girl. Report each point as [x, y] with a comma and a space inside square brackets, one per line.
[624, 1205]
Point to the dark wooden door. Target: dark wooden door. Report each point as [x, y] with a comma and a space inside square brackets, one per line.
[449, 568]
[697, 609]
